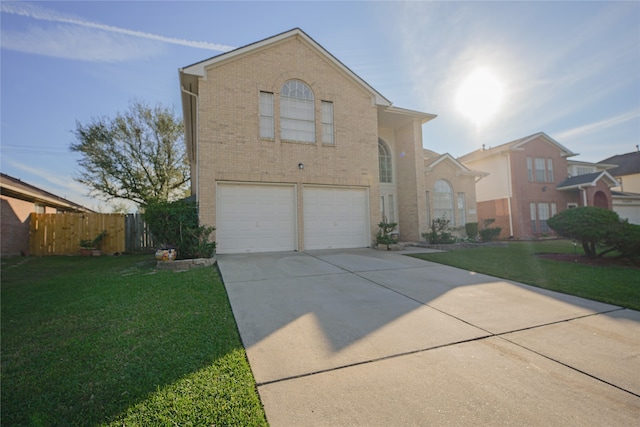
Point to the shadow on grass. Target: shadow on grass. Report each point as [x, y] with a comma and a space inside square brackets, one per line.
[91, 341]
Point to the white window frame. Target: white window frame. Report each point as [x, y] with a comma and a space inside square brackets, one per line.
[385, 163]
[534, 224]
[267, 123]
[540, 169]
[550, 177]
[327, 123]
[443, 201]
[297, 112]
[530, 169]
[462, 209]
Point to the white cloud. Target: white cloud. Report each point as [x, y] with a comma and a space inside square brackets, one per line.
[91, 42]
[597, 126]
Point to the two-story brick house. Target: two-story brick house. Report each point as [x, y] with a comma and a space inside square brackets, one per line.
[291, 150]
[529, 181]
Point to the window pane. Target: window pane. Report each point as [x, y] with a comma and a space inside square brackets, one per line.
[443, 201]
[550, 170]
[392, 209]
[384, 163]
[543, 216]
[267, 127]
[327, 122]
[297, 113]
[530, 169]
[428, 210]
[540, 170]
[532, 210]
[462, 212]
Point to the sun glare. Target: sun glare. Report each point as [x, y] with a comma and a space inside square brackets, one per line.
[480, 96]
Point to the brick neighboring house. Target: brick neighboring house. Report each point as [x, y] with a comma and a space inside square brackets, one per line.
[19, 200]
[625, 168]
[530, 180]
[291, 150]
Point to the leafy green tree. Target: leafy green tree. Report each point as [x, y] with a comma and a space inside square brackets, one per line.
[591, 226]
[138, 155]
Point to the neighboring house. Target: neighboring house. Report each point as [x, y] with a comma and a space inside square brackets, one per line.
[626, 196]
[291, 150]
[19, 201]
[530, 180]
[450, 190]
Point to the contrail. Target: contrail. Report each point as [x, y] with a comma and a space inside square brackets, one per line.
[36, 12]
[597, 126]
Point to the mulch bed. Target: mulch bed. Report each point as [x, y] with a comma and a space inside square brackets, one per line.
[602, 262]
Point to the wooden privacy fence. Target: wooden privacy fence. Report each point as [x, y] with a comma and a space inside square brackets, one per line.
[60, 233]
[137, 234]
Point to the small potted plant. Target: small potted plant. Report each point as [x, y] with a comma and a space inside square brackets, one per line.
[90, 247]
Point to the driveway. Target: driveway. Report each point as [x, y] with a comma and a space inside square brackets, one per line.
[362, 337]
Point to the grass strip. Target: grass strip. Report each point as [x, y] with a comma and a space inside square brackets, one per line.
[519, 262]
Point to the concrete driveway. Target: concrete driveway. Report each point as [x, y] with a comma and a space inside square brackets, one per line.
[362, 337]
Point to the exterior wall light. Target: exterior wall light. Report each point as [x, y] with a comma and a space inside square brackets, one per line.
[300, 166]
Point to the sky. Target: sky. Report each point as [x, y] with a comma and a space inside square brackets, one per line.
[492, 72]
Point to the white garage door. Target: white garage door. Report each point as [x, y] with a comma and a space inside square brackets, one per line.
[630, 212]
[336, 218]
[255, 218]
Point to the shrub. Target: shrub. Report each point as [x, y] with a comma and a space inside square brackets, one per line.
[440, 232]
[176, 225]
[626, 240]
[591, 226]
[471, 229]
[488, 233]
[384, 234]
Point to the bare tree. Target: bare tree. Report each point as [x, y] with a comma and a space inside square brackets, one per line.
[139, 155]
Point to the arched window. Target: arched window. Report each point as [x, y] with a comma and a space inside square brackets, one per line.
[443, 201]
[384, 162]
[297, 112]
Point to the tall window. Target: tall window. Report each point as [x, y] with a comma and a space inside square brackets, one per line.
[540, 169]
[428, 209]
[530, 169]
[543, 216]
[384, 162]
[327, 122]
[534, 225]
[267, 129]
[443, 201]
[550, 170]
[462, 210]
[297, 113]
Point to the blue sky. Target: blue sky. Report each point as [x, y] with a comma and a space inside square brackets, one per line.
[570, 69]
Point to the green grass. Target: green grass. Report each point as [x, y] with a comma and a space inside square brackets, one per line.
[611, 284]
[110, 341]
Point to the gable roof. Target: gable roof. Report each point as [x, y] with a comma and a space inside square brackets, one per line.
[431, 162]
[18, 189]
[515, 145]
[626, 164]
[199, 68]
[588, 179]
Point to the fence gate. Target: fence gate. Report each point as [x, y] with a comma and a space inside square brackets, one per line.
[138, 237]
[60, 233]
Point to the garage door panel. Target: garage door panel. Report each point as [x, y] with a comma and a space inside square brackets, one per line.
[335, 218]
[255, 218]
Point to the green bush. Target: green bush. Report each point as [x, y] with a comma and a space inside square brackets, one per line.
[488, 233]
[471, 229]
[440, 233]
[176, 225]
[384, 234]
[591, 226]
[626, 240]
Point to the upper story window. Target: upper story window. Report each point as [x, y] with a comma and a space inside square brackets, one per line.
[267, 128]
[327, 122]
[384, 162]
[540, 169]
[297, 112]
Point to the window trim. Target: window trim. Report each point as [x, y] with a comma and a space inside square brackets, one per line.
[262, 116]
[328, 127]
[292, 127]
[385, 159]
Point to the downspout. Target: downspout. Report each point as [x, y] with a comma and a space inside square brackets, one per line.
[194, 132]
[584, 195]
[509, 193]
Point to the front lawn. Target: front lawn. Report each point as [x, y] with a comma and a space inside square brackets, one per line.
[110, 341]
[616, 285]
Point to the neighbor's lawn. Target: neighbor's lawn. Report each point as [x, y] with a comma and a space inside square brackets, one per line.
[613, 285]
[99, 341]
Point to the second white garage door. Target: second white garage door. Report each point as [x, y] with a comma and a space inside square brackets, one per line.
[336, 218]
[255, 218]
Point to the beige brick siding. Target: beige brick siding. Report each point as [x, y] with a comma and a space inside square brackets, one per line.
[15, 225]
[228, 127]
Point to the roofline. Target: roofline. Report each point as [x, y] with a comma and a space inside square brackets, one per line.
[35, 194]
[199, 68]
[603, 174]
[465, 170]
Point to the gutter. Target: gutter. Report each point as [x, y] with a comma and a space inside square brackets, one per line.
[194, 134]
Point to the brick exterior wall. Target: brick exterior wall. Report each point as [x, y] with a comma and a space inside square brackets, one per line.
[228, 127]
[14, 233]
